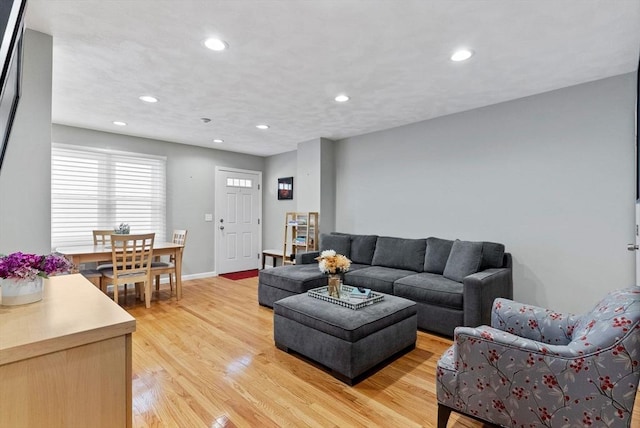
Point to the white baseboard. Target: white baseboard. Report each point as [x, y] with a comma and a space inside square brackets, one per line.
[165, 279]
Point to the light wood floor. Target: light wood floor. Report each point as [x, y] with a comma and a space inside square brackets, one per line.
[210, 361]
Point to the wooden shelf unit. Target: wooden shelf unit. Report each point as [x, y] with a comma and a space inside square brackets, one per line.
[300, 234]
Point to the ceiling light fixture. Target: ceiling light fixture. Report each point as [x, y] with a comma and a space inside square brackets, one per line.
[148, 99]
[205, 119]
[262, 126]
[119, 123]
[342, 98]
[461, 55]
[218, 140]
[216, 44]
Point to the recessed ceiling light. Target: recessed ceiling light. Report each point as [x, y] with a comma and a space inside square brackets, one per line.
[216, 44]
[218, 140]
[461, 55]
[342, 98]
[119, 123]
[262, 126]
[148, 99]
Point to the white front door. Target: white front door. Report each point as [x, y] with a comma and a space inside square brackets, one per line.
[238, 213]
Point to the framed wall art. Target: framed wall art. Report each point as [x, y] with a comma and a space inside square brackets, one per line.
[285, 188]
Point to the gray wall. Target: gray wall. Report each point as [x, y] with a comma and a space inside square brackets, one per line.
[190, 185]
[274, 210]
[551, 176]
[25, 178]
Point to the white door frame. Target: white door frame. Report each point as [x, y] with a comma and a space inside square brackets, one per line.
[217, 213]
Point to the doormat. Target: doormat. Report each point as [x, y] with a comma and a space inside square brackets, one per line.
[244, 274]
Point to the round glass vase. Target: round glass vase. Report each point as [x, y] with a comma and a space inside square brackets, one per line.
[19, 291]
[333, 285]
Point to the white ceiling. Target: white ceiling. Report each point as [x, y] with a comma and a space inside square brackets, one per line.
[289, 58]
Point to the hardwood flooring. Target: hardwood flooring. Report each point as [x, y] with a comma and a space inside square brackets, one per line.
[209, 361]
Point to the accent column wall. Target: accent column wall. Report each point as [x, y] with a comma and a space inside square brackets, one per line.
[25, 178]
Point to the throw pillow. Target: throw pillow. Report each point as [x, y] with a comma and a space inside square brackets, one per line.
[492, 255]
[340, 243]
[464, 260]
[362, 247]
[437, 255]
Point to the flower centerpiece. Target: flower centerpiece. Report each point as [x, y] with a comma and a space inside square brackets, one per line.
[123, 229]
[334, 265]
[21, 275]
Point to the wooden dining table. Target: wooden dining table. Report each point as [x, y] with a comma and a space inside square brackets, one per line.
[79, 254]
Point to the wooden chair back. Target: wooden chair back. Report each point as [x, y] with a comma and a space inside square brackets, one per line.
[131, 256]
[102, 237]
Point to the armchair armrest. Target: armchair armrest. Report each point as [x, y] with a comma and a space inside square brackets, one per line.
[480, 290]
[305, 258]
[494, 338]
[532, 322]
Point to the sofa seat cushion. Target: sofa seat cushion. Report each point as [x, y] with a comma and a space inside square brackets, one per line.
[377, 278]
[430, 288]
[294, 278]
[344, 323]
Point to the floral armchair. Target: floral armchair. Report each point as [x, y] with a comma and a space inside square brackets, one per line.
[538, 368]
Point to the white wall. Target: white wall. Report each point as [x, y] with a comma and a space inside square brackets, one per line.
[190, 185]
[25, 183]
[551, 176]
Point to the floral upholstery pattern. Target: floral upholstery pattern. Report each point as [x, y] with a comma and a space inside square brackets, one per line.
[538, 368]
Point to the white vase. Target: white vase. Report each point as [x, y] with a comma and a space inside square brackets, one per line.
[20, 291]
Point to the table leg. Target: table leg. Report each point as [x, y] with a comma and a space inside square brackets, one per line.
[178, 256]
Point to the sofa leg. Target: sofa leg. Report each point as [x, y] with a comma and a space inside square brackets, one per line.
[443, 415]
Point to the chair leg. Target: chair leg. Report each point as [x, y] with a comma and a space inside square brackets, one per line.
[115, 292]
[147, 293]
[443, 415]
[157, 282]
[171, 283]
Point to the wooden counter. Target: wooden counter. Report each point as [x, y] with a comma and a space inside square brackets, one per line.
[66, 361]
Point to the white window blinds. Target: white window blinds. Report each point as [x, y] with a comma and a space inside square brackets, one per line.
[99, 189]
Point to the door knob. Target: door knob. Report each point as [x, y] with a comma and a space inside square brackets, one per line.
[221, 227]
[632, 247]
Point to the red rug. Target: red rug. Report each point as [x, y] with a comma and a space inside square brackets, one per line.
[244, 274]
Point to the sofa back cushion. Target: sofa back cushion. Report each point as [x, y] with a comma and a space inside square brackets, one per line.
[437, 255]
[492, 255]
[340, 243]
[400, 253]
[362, 247]
[464, 259]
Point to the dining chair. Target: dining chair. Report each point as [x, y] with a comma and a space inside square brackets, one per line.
[161, 268]
[100, 237]
[131, 257]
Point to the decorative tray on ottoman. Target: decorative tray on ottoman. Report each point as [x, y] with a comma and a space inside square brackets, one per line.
[322, 293]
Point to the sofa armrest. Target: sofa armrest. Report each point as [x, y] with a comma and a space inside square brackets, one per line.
[308, 257]
[533, 322]
[480, 290]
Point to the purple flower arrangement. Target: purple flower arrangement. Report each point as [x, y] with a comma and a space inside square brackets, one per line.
[29, 266]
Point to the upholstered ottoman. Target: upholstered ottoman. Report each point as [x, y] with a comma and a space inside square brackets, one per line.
[284, 281]
[347, 341]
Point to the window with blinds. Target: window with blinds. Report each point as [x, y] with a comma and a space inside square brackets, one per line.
[99, 189]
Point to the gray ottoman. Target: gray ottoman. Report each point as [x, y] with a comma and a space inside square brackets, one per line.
[349, 342]
[284, 281]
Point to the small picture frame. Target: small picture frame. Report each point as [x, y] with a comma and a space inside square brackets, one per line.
[285, 188]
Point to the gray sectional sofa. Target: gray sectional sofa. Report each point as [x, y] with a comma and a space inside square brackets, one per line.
[453, 283]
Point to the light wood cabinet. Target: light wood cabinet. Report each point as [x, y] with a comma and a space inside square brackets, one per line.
[300, 234]
[66, 361]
